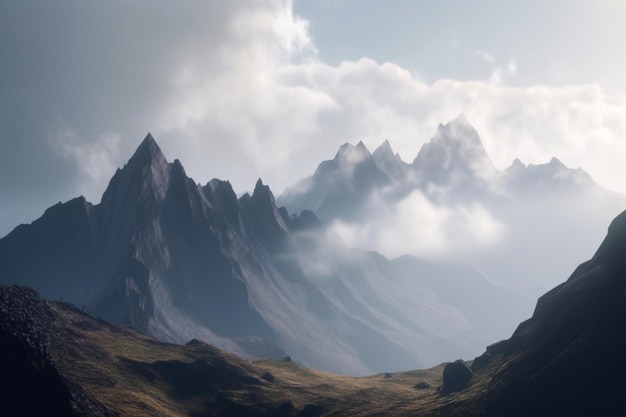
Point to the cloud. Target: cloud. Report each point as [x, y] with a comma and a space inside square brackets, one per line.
[96, 160]
[581, 125]
[417, 225]
[498, 74]
[236, 90]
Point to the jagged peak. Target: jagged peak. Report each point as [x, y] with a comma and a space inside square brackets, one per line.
[149, 144]
[516, 165]
[262, 192]
[146, 170]
[554, 165]
[461, 120]
[456, 137]
[384, 149]
[555, 162]
[351, 154]
[147, 153]
[458, 129]
[216, 182]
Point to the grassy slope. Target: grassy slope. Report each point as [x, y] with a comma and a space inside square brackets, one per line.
[136, 375]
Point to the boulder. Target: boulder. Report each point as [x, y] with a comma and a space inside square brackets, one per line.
[455, 376]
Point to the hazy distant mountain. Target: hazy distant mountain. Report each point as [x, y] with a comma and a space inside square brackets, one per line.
[455, 159]
[548, 212]
[339, 187]
[181, 261]
[391, 164]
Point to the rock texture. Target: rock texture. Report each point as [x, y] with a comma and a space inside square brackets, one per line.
[569, 356]
[30, 383]
[456, 375]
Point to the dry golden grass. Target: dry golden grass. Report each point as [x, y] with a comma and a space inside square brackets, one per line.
[139, 376]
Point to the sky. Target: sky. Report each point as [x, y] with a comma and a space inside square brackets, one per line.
[250, 89]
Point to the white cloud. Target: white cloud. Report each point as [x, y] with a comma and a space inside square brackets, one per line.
[96, 160]
[239, 93]
[269, 108]
[418, 226]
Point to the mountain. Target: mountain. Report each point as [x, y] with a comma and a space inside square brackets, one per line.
[454, 159]
[340, 187]
[551, 177]
[565, 360]
[484, 216]
[391, 164]
[182, 261]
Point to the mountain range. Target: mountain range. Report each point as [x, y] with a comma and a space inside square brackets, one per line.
[565, 360]
[492, 219]
[180, 261]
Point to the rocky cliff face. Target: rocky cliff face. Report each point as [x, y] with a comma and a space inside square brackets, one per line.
[569, 356]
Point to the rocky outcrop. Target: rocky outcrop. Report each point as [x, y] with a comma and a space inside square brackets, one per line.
[456, 375]
[30, 384]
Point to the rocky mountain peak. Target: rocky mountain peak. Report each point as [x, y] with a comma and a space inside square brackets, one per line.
[454, 154]
[554, 161]
[148, 153]
[349, 154]
[262, 192]
[390, 163]
[384, 150]
[459, 136]
[147, 173]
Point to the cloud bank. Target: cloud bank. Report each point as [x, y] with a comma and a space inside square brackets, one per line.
[236, 91]
[417, 225]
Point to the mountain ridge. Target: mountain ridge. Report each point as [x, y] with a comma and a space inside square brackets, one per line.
[181, 261]
[487, 215]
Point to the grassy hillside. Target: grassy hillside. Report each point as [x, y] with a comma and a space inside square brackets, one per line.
[135, 375]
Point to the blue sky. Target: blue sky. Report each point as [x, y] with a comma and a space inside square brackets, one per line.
[551, 43]
[268, 88]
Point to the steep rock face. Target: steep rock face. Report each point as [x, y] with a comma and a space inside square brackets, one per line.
[154, 254]
[568, 358]
[37, 254]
